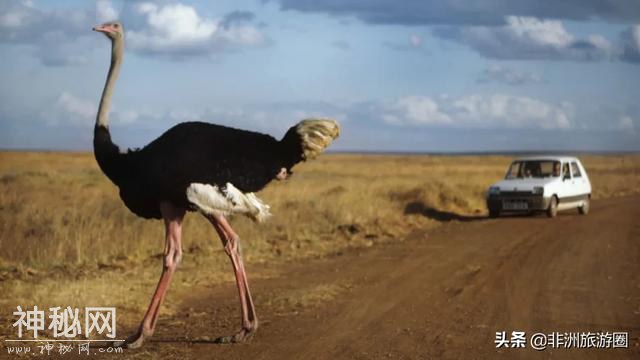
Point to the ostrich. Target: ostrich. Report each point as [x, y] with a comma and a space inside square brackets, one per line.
[197, 166]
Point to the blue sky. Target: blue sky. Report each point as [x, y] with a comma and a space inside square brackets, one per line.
[413, 75]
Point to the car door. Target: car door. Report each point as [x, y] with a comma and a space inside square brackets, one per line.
[579, 181]
[565, 190]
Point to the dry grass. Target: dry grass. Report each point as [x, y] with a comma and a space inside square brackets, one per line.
[58, 210]
[61, 222]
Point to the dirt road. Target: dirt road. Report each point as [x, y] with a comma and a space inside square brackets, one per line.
[441, 295]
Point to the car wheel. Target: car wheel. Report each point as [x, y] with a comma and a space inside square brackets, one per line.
[584, 209]
[552, 211]
[494, 213]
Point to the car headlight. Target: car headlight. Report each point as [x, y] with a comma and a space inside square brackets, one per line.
[538, 190]
[494, 190]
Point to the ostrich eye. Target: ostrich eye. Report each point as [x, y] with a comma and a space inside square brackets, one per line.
[116, 26]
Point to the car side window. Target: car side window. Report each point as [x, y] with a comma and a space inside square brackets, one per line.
[575, 169]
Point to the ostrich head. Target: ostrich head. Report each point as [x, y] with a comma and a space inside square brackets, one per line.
[113, 30]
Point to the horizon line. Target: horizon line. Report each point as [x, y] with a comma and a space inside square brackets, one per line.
[394, 152]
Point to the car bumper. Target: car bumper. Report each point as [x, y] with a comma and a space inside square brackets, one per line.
[533, 202]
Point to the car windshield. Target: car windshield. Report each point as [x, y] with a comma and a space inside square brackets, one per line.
[533, 169]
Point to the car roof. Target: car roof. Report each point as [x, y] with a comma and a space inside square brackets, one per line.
[562, 158]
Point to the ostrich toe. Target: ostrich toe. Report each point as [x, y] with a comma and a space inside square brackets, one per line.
[241, 336]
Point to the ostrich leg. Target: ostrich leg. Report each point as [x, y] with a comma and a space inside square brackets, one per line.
[172, 255]
[231, 243]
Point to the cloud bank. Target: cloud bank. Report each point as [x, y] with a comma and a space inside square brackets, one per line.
[501, 29]
[62, 37]
[471, 111]
[179, 31]
[478, 111]
[531, 39]
[473, 13]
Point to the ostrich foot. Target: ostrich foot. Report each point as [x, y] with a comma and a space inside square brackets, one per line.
[241, 336]
[132, 342]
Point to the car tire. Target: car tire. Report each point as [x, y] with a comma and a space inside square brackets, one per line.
[552, 210]
[584, 209]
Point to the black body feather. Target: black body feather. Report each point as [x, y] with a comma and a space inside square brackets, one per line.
[193, 152]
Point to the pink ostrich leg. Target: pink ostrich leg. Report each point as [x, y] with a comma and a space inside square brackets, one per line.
[172, 254]
[231, 242]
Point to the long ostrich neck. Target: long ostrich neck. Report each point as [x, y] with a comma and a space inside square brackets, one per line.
[117, 49]
[106, 152]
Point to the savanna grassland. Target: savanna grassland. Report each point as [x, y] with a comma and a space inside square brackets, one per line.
[66, 238]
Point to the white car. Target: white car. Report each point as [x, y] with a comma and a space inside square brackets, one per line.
[541, 183]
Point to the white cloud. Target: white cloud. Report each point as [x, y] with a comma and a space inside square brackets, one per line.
[178, 30]
[626, 124]
[510, 111]
[126, 117]
[524, 37]
[165, 28]
[76, 106]
[69, 109]
[176, 23]
[600, 42]
[416, 110]
[539, 32]
[477, 111]
[105, 11]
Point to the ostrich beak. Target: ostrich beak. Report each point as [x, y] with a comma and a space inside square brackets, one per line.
[102, 28]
